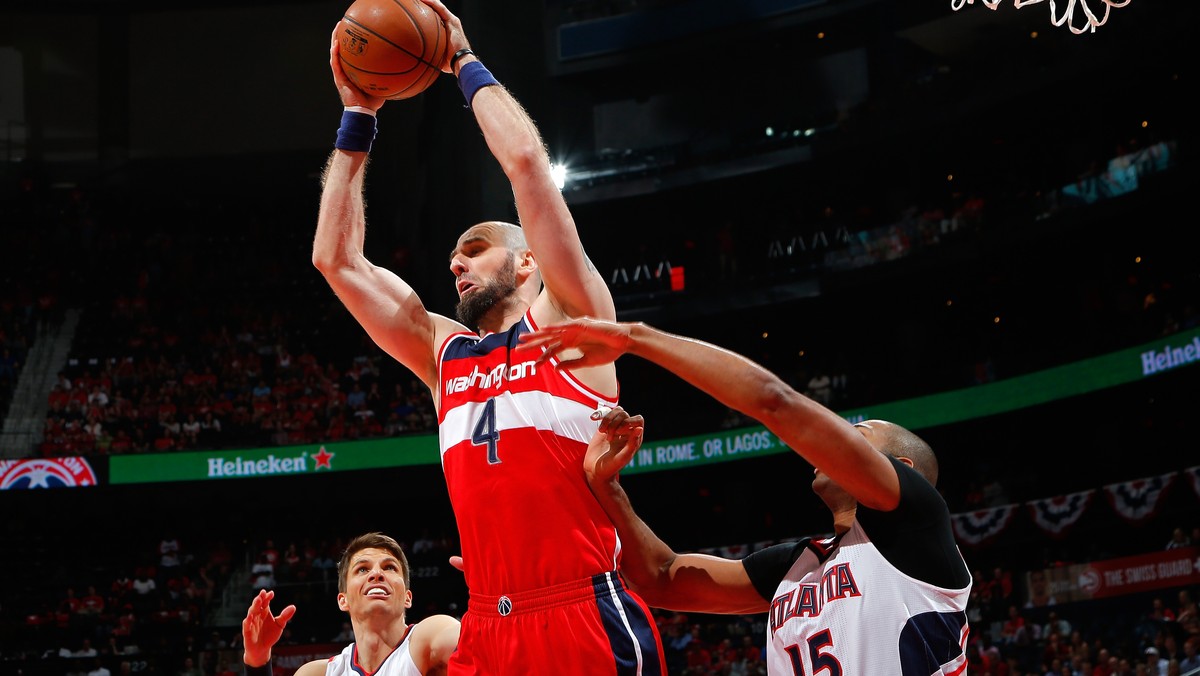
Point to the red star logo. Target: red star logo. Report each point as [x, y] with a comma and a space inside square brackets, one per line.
[323, 459]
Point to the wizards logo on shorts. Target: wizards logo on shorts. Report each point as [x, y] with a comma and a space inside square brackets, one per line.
[68, 472]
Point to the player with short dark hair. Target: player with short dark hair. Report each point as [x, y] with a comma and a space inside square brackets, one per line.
[886, 594]
[373, 579]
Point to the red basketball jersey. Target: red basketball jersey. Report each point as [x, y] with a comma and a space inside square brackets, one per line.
[513, 435]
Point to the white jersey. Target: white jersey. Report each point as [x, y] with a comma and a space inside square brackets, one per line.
[399, 663]
[842, 608]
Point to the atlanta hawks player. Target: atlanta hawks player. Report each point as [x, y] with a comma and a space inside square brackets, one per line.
[887, 594]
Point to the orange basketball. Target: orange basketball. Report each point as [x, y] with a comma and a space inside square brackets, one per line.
[392, 48]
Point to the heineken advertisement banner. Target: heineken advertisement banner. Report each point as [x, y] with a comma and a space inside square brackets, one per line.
[273, 462]
[1118, 368]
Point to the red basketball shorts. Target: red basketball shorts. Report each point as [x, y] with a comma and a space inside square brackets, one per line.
[589, 627]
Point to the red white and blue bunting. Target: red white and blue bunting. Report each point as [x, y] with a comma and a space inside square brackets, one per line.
[1139, 499]
[1056, 515]
[976, 528]
[1193, 473]
[1135, 501]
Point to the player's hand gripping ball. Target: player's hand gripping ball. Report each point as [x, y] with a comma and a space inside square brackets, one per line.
[393, 49]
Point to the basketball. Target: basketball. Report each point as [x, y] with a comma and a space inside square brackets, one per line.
[392, 48]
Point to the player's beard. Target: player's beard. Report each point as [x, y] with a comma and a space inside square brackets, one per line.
[473, 306]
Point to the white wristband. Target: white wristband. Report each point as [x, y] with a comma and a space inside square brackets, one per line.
[360, 109]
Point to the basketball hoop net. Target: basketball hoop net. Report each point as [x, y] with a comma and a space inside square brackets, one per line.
[1068, 15]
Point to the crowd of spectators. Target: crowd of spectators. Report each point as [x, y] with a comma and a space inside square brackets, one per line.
[247, 393]
[1148, 634]
[146, 603]
[160, 365]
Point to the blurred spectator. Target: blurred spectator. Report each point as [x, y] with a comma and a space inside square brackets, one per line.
[262, 573]
[98, 668]
[1191, 655]
[97, 397]
[292, 568]
[210, 431]
[167, 440]
[270, 552]
[85, 649]
[1156, 664]
[170, 552]
[145, 589]
[91, 603]
[346, 635]
[200, 586]
[1056, 625]
[1168, 646]
[1001, 587]
[1039, 590]
[324, 561]
[70, 603]
[1160, 612]
[121, 589]
[1188, 616]
[676, 640]
[820, 388]
[699, 657]
[1178, 539]
[1014, 632]
[190, 668]
[356, 397]
[190, 431]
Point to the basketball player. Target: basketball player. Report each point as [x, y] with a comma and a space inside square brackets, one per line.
[886, 594]
[540, 554]
[373, 578]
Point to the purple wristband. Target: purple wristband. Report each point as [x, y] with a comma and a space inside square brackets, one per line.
[357, 132]
[472, 77]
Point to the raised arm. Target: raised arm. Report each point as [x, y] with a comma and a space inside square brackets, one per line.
[818, 434]
[571, 280]
[574, 285]
[383, 303]
[261, 628]
[664, 578]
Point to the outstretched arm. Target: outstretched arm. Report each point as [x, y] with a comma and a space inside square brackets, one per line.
[434, 642]
[383, 303]
[818, 434]
[664, 578]
[575, 286]
[261, 629]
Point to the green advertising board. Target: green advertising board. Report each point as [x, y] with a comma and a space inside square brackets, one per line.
[274, 462]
